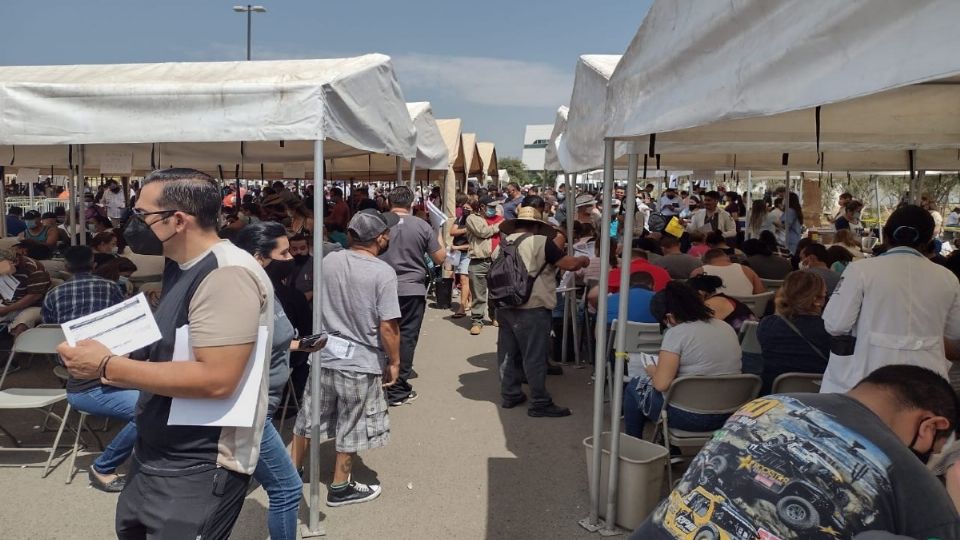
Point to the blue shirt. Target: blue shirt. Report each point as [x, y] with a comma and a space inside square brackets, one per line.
[15, 225]
[638, 306]
[510, 208]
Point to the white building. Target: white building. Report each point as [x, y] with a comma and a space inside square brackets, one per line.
[535, 140]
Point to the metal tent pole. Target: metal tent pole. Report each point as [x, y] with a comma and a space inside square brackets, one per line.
[571, 213]
[314, 526]
[413, 175]
[876, 190]
[616, 399]
[568, 307]
[73, 200]
[3, 200]
[399, 181]
[592, 522]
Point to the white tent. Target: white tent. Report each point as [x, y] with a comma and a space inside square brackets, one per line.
[203, 114]
[551, 160]
[580, 147]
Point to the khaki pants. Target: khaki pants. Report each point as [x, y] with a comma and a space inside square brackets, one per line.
[478, 288]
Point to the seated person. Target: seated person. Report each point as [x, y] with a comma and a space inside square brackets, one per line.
[22, 310]
[794, 339]
[97, 224]
[764, 262]
[82, 295]
[716, 240]
[638, 304]
[49, 220]
[118, 270]
[770, 240]
[698, 244]
[695, 343]
[677, 263]
[39, 233]
[738, 280]
[727, 309]
[825, 465]
[639, 263]
[104, 246]
[838, 257]
[814, 259]
[848, 241]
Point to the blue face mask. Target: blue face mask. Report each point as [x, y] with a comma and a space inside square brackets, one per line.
[491, 211]
[30, 223]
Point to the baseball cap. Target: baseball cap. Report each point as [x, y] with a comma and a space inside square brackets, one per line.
[32, 214]
[8, 254]
[369, 224]
[488, 201]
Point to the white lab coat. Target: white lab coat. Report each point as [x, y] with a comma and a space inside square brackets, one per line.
[899, 306]
[725, 223]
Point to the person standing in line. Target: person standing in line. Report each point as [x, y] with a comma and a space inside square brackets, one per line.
[187, 481]
[514, 197]
[114, 202]
[523, 341]
[893, 309]
[358, 363]
[411, 239]
[484, 235]
[793, 222]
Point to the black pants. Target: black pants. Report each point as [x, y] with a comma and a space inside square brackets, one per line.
[411, 318]
[204, 505]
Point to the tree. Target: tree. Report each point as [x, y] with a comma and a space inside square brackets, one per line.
[515, 169]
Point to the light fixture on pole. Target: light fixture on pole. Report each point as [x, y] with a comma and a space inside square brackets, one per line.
[249, 10]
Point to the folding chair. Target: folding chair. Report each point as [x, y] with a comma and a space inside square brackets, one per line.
[756, 302]
[797, 383]
[34, 341]
[717, 394]
[748, 337]
[772, 284]
[640, 338]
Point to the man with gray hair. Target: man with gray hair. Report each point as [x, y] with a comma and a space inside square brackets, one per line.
[187, 481]
[410, 240]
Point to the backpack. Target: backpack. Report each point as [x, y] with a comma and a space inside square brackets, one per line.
[509, 284]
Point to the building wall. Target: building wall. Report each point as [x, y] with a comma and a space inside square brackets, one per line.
[535, 139]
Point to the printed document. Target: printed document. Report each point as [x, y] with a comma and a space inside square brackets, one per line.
[122, 328]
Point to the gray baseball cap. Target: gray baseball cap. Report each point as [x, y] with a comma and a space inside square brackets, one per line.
[369, 224]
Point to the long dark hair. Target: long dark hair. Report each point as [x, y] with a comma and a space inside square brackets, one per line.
[794, 204]
[260, 238]
[681, 301]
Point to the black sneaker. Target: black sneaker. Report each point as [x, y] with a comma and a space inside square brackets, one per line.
[552, 410]
[513, 402]
[114, 486]
[354, 493]
[411, 397]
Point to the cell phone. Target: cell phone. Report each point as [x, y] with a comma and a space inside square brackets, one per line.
[309, 342]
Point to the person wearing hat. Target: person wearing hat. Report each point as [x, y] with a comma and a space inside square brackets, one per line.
[361, 303]
[22, 310]
[15, 224]
[483, 232]
[37, 232]
[586, 204]
[523, 341]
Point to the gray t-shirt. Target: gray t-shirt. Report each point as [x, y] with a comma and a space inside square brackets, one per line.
[678, 265]
[830, 277]
[705, 347]
[804, 466]
[283, 334]
[410, 241]
[359, 291]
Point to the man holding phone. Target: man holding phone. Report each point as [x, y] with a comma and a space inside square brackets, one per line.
[361, 357]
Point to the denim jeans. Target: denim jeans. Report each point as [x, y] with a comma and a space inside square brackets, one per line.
[113, 403]
[522, 345]
[642, 402]
[279, 478]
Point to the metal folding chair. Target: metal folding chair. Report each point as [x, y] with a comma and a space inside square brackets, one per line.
[756, 302]
[797, 383]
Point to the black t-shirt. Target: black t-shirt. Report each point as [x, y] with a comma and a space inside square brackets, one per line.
[551, 252]
[841, 223]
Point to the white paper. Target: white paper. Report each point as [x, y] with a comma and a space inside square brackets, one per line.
[122, 328]
[238, 410]
[437, 217]
[8, 286]
[116, 163]
[28, 176]
[340, 347]
[294, 170]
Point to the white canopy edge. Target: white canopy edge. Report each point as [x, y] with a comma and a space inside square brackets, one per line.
[551, 158]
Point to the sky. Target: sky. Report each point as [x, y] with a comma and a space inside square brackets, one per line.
[497, 64]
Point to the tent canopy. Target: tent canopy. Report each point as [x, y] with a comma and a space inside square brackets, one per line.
[581, 146]
[450, 131]
[472, 163]
[551, 161]
[710, 78]
[202, 114]
[488, 158]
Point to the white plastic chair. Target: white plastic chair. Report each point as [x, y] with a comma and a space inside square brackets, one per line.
[756, 302]
[772, 285]
[797, 383]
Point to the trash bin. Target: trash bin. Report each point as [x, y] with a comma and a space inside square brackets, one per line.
[640, 475]
[444, 293]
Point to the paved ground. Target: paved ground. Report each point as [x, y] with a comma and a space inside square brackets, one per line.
[458, 466]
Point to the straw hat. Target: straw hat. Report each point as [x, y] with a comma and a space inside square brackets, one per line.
[531, 218]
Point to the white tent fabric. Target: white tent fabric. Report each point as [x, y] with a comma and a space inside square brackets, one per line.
[488, 159]
[581, 146]
[712, 78]
[355, 104]
[551, 160]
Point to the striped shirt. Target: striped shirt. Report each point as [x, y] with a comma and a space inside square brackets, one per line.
[33, 279]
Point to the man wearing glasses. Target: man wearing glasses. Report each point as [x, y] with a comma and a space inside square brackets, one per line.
[187, 481]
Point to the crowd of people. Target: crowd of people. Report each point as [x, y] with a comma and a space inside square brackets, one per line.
[874, 324]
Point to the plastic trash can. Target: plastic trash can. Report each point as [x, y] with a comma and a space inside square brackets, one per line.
[444, 293]
[640, 475]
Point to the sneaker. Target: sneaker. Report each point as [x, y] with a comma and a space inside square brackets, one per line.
[353, 493]
[552, 411]
[411, 397]
[513, 402]
[114, 486]
[475, 330]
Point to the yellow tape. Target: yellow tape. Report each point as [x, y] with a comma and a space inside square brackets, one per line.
[621, 355]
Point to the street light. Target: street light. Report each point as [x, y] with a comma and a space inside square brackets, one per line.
[249, 10]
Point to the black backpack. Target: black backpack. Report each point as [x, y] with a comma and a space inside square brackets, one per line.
[509, 284]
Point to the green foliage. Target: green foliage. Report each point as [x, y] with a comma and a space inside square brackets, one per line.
[516, 169]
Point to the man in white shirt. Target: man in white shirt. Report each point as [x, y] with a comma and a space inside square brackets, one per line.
[114, 202]
[953, 218]
[712, 218]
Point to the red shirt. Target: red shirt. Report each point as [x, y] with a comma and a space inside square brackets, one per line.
[495, 239]
[660, 276]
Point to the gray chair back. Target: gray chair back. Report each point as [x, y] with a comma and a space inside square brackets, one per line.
[715, 394]
[797, 383]
[756, 302]
[748, 338]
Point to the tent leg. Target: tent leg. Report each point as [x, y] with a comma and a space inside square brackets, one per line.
[413, 174]
[591, 523]
[876, 188]
[314, 526]
[3, 200]
[74, 199]
[616, 392]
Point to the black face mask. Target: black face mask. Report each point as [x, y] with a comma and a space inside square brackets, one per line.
[924, 457]
[115, 189]
[301, 259]
[279, 270]
[141, 238]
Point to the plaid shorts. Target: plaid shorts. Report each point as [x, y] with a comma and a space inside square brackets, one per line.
[353, 410]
